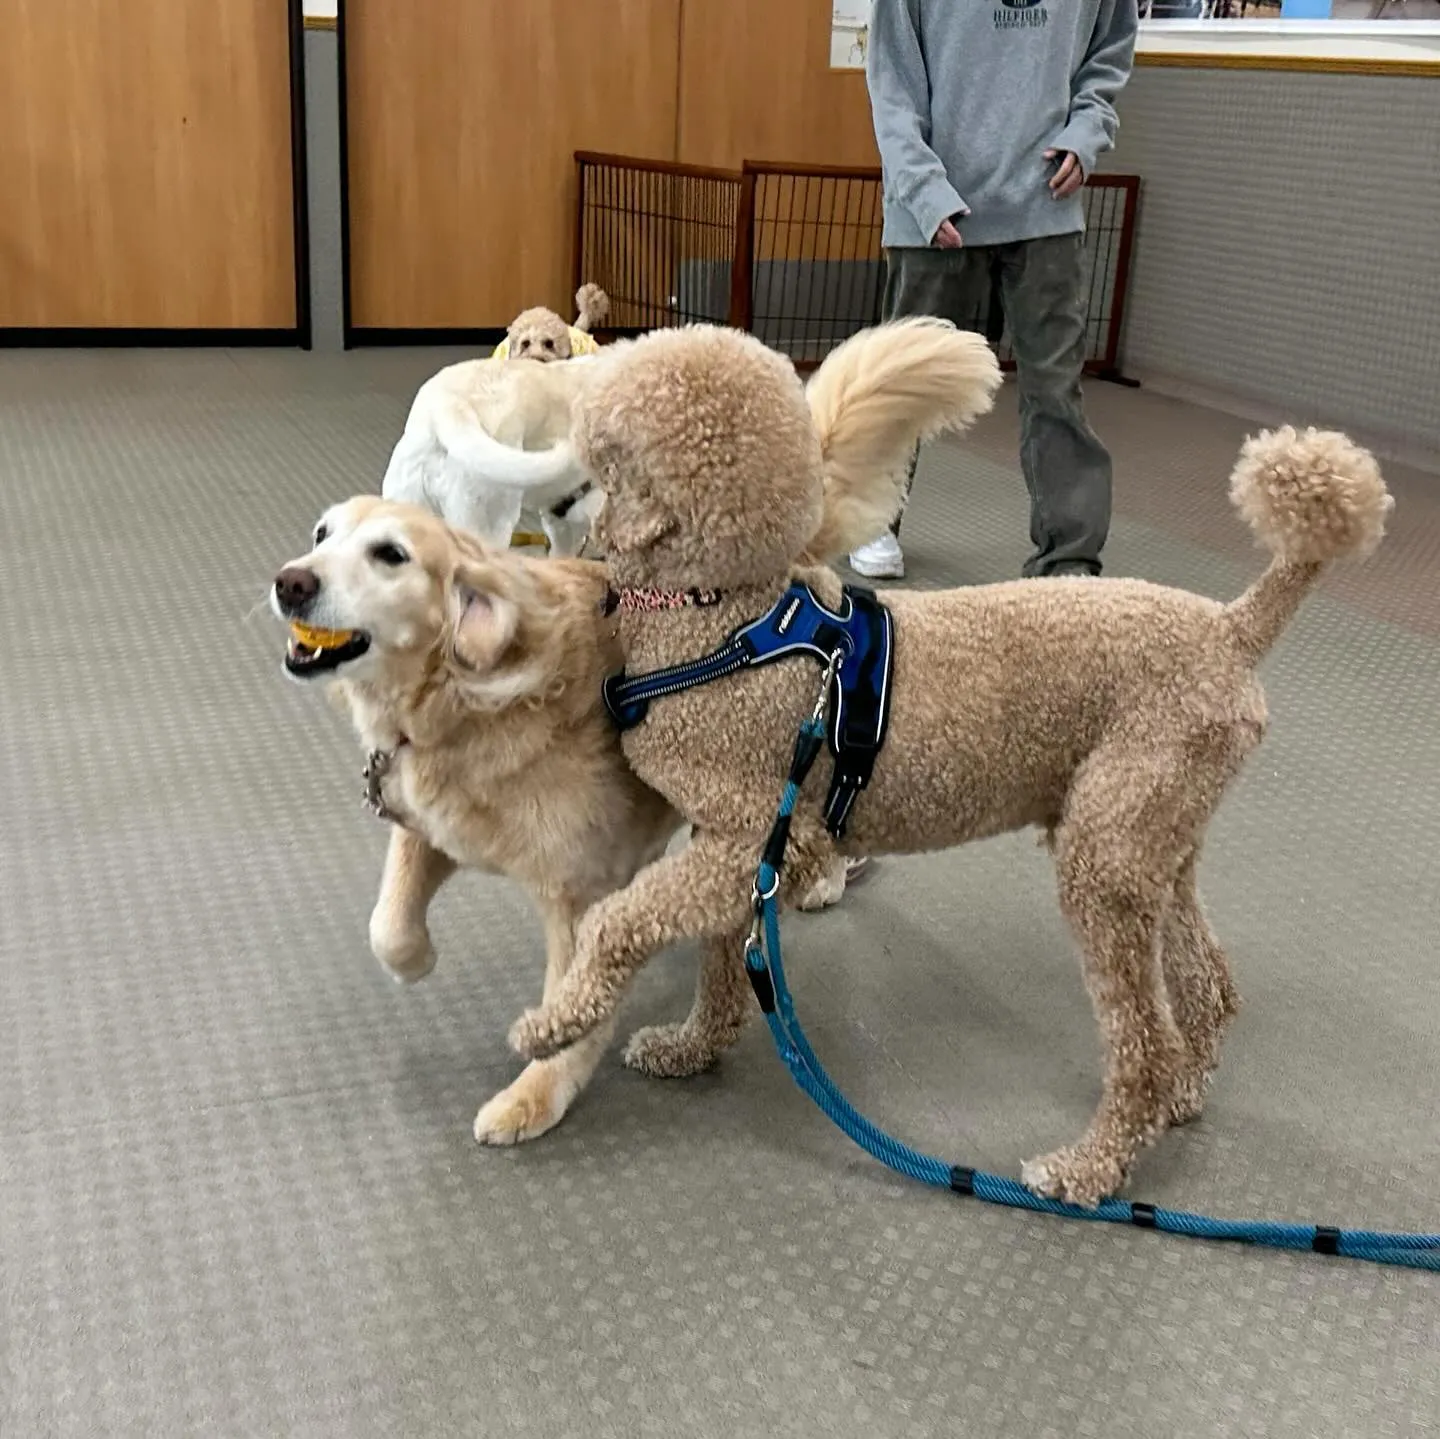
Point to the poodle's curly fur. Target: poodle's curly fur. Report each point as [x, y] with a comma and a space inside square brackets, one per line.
[1109, 713]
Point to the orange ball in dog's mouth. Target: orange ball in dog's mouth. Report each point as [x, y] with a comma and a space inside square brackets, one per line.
[317, 651]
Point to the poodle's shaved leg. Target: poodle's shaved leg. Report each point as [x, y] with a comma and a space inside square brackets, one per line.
[399, 934]
[1132, 821]
[702, 891]
[1144, 1049]
[1202, 994]
[545, 1089]
[722, 1005]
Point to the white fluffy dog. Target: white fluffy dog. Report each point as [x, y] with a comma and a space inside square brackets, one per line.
[489, 439]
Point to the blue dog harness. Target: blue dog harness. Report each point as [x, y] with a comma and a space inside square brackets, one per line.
[857, 644]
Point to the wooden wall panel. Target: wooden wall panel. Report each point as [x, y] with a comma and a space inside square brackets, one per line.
[756, 84]
[145, 164]
[463, 120]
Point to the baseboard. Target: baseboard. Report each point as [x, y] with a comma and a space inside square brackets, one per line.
[71, 337]
[359, 337]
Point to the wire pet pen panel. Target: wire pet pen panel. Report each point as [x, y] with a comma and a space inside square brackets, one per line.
[790, 253]
[659, 239]
[817, 272]
[1110, 206]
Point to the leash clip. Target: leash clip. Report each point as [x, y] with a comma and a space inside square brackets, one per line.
[758, 899]
[754, 946]
[837, 658]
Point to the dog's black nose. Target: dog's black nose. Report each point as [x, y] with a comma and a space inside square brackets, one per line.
[295, 588]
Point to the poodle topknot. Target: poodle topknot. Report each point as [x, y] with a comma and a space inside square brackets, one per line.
[704, 444]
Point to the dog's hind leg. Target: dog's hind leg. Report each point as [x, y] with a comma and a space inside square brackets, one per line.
[1131, 822]
[546, 1088]
[1203, 996]
[722, 1005]
[399, 934]
[472, 503]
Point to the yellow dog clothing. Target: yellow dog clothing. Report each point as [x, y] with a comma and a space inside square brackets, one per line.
[580, 344]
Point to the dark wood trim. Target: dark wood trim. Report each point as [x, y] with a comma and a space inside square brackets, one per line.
[663, 167]
[741, 313]
[1306, 64]
[112, 337]
[578, 260]
[347, 329]
[300, 176]
[819, 172]
[374, 336]
[1128, 225]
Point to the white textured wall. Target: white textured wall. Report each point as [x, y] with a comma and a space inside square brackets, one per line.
[1289, 241]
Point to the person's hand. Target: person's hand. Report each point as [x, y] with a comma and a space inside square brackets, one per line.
[1070, 175]
[948, 237]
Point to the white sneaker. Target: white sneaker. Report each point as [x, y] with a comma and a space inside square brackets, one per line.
[881, 559]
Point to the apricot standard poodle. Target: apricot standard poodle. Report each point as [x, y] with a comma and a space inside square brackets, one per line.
[1111, 714]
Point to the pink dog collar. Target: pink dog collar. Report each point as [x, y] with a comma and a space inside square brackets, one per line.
[646, 599]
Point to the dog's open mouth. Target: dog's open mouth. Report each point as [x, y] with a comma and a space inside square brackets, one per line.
[314, 651]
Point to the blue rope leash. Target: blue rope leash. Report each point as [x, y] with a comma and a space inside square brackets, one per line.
[766, 970]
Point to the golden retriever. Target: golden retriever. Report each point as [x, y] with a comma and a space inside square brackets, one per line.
[473, 679]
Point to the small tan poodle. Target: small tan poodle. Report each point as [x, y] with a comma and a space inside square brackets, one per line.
[540, 334]
[1111, 714]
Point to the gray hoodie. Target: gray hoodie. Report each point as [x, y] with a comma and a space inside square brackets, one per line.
[969, 94]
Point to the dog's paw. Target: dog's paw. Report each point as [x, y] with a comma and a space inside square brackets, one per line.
[541, 1033]
[669, 1051]
[830, 889]
[532, 1105]
[827, 893]
[1188, 1102]
[1076, 1175]
[407, 956]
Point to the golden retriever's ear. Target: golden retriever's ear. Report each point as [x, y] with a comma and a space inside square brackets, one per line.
[482, 625]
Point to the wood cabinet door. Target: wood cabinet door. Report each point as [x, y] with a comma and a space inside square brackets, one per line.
[462, 122]
[145, 165]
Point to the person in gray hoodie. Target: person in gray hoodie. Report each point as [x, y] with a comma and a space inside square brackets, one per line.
[989, 118]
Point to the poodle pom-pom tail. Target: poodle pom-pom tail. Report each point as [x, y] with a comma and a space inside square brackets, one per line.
[1310, 496]
[592, 304]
